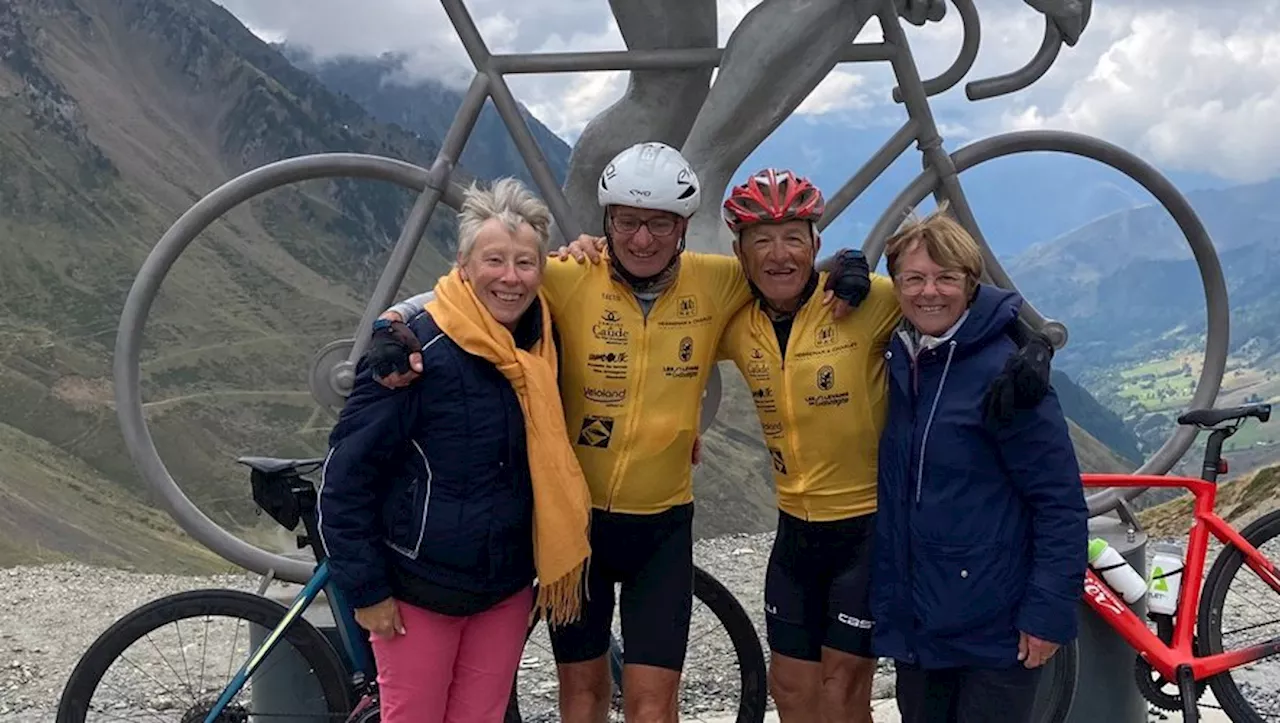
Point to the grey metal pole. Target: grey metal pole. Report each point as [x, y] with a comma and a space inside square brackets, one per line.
[654, 59]
[1215, 288]
[509, 111]
[963, 63]
[899, 142]
[126, 366]
[438, 178]
[948, 185]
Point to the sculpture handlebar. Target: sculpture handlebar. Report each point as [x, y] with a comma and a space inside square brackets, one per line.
[1024, 76]
[963, 63]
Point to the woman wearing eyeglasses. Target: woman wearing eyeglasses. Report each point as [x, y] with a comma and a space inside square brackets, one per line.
[981, 529]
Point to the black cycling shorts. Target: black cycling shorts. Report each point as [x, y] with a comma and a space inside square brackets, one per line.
[652, 557]
[817, 587]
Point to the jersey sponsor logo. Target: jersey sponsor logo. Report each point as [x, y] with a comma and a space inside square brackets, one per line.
[683, 370]
[607, 397]
[596, 431]
[612, 365]
[824, 335]
[763, 397]
[779, 464]
[609, 329]
[758, 368]
[828, 349]
[687, 307]
[826, 377]
[686, 349]
[771, 429]
[679, 323]
[825, 381]
[853, 622]
[611, 296]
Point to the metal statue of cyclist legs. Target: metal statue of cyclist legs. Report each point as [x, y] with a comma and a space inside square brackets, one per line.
[658, 105]
[776, 56]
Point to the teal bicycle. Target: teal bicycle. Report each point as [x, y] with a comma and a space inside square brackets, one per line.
[287, 668]
[273, 664]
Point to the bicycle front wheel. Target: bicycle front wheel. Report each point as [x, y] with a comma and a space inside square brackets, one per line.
[1240, 610]
[719, 625]
[171, 659]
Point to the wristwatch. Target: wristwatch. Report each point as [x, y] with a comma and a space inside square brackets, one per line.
[380, 323]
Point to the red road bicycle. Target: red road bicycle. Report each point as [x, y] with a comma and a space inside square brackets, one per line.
[1186, 651]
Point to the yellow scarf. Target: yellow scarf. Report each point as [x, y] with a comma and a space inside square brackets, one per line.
[561, 500]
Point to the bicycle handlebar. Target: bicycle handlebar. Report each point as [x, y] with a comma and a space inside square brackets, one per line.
[1024, 76]
[963, 63]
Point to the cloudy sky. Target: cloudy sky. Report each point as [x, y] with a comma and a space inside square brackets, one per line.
[1184, 84]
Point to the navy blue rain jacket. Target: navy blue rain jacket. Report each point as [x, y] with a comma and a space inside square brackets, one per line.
[979, 534]
[426, 494]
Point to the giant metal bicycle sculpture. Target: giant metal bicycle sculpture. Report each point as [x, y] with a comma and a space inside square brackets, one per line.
[716, 125]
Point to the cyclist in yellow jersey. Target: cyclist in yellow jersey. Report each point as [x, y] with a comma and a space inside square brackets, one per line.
[819, 387]
[638, 337]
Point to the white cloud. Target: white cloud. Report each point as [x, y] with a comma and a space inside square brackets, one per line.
[1188, 87]
[839, 91]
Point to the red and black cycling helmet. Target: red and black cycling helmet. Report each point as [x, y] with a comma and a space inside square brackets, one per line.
[772, 195]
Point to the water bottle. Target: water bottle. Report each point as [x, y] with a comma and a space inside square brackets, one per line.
[1166, 579]
[1117, 573]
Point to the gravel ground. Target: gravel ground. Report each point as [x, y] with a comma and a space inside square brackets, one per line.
[49, 615]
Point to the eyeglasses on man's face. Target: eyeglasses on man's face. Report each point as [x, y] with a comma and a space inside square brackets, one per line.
[628, 225]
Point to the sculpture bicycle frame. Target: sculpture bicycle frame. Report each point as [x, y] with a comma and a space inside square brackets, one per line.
[333, 376]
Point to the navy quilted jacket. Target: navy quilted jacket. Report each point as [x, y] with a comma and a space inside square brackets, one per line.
[426, 493]
[979, 534]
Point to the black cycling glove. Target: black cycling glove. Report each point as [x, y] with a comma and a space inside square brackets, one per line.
[1023, 382]
[851, 278]
[389, 351]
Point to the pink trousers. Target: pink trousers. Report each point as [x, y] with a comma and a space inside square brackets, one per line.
[447, 669]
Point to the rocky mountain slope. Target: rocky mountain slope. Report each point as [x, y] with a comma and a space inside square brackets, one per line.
[114, 118]
[1240, 501]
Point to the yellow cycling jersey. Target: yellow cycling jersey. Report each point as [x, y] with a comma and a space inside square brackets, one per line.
[632, 385]
[821, 405]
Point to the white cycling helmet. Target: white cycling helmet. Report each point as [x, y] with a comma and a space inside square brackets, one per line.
[650, 175]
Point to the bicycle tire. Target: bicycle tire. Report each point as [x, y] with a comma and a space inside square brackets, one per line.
[1209, 618]
[1057, 689]
[302, 635]
[746, 644]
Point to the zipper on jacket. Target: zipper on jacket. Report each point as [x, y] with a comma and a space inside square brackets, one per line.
[788, 408]
[924, 440]
[643, 362]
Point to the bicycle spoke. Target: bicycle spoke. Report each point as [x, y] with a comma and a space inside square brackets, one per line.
[168, 665]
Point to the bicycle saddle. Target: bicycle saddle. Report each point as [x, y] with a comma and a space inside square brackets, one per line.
[271, 465]
[1210, 417]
